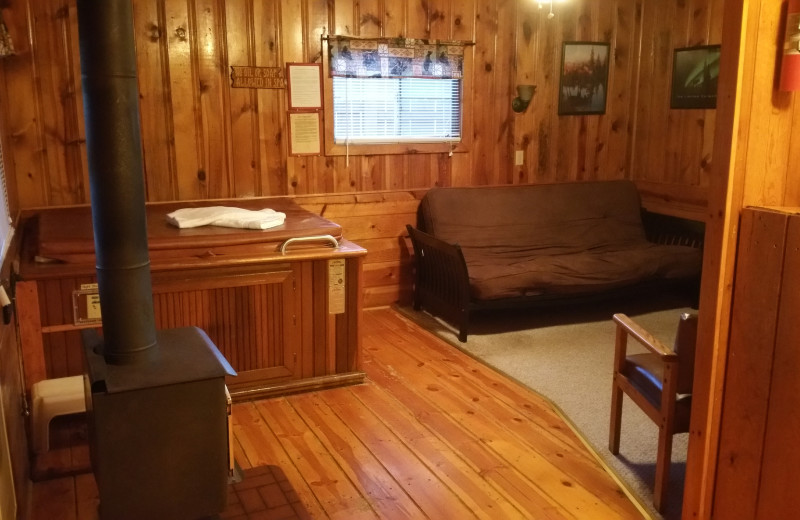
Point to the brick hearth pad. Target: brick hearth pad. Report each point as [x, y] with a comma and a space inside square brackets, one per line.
[263, 493]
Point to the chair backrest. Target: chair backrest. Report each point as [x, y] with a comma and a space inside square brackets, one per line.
[685, 342]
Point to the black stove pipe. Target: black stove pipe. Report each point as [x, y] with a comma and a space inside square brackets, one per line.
[116, 176]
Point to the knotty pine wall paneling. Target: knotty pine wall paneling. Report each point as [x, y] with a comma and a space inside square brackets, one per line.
[757, 466]
[13, 389]
[754, 150]
[204, 140]
[376, 222]
[671, 149]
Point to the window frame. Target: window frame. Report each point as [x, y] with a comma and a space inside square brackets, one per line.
[331, 148]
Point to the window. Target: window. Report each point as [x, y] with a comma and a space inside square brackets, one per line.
[6, 230]
[396, 110]
[395, 95]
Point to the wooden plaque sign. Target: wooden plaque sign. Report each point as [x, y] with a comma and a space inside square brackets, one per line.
[257, 77]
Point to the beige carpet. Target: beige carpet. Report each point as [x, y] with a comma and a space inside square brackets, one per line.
[567, 355]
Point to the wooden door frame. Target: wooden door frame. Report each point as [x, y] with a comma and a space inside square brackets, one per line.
[741, 100]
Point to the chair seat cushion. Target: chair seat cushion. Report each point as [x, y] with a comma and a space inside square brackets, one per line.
[646, 373]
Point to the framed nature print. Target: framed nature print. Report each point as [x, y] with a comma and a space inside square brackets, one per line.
[695, 73]
[583, 86]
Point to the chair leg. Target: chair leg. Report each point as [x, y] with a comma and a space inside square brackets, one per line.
[663, 461]
[616, 418]
[463, 326]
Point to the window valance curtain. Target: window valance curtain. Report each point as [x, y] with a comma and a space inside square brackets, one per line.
[395, 58]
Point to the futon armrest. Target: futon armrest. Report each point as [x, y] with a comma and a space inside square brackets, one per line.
[441, 280]
[439, 264]
[670, 230]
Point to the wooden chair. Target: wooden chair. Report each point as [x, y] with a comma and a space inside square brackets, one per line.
[659, 382]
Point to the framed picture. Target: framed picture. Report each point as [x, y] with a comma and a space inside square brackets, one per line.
[305, 135]
[695, 73]
[305, 86]
[583, 87]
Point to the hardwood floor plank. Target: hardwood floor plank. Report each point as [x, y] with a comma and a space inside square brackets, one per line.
[465, 373]
[579, 467]
[492, 466]
[432, 433]
[334, 491]
[261, 448]
[239, 455]
[54, 499]
[439, 351]
[427, 487]
[465, 479]
[354, 457]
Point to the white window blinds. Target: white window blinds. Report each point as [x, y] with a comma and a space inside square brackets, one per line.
[396, 110]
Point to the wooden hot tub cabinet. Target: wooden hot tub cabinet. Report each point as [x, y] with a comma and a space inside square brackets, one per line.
[287, 321]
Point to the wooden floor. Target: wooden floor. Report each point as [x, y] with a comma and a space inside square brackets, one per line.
[431, 434]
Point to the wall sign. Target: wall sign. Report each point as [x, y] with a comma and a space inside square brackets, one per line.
[257, 77]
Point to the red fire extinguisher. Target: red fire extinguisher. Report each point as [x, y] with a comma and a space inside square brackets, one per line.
[790, 64]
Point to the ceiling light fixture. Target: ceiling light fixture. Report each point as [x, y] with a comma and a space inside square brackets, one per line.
[541, 3]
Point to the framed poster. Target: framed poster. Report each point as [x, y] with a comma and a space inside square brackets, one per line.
[305, 134]
[583, 84]
[695, 74]
[305, 86]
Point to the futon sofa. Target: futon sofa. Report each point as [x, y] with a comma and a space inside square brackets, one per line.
[505, 246]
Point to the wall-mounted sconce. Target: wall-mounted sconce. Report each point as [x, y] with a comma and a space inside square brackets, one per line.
[523, 99]
[790, 63]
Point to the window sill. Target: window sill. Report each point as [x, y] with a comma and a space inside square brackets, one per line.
[395, 148]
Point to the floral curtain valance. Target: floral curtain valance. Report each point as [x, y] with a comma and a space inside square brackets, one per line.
[395, 57]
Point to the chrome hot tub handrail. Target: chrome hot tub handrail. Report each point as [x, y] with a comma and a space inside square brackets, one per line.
[315, 238]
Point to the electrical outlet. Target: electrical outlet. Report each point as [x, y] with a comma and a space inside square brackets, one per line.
[519, 158]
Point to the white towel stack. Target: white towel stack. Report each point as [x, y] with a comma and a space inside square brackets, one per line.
[226, 217]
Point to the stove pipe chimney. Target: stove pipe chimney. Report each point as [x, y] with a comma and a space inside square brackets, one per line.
[116, 176]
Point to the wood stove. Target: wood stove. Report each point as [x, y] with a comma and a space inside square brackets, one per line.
[158, 431]
[156, 401]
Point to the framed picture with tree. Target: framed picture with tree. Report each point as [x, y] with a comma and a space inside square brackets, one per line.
[695, 73]
[583, 85]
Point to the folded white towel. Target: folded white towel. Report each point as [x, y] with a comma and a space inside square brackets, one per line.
[227, 217]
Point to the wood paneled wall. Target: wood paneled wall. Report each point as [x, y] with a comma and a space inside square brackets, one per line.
[203, 139]
[759, 460]
[755, 157]
[12, 392]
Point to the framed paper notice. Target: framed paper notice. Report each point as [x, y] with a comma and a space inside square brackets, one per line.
[304, 133]
[305, 86]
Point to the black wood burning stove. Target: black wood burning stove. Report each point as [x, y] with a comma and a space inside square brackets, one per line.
[158, 430]
[156, 401]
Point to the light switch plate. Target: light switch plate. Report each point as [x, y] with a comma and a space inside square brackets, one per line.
[519, 158]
